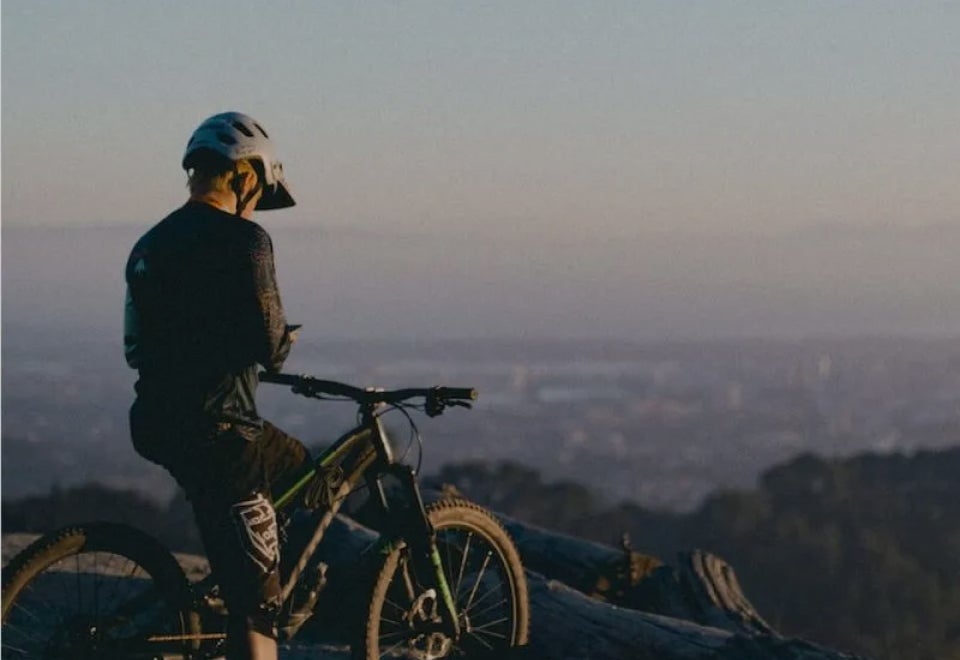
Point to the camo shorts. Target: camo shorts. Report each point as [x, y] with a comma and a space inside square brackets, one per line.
[229, 483]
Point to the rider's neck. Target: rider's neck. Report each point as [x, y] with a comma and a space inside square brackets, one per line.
[223, 201]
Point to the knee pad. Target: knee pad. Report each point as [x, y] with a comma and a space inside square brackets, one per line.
[256, 590]
[255, 522]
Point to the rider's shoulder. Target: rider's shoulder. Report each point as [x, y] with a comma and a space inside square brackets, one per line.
[255, 237]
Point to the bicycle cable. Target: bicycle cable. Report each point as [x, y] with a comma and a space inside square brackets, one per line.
[414, 432]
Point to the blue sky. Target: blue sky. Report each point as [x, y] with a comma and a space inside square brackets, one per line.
[576, 120]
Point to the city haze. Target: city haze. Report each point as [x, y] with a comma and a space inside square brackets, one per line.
[380, 285]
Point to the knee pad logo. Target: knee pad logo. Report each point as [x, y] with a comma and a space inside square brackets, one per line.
[256, 524]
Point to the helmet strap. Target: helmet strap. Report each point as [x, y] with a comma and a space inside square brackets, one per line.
[237, 187]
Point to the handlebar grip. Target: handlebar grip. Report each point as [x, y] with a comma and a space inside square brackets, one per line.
[465, 393]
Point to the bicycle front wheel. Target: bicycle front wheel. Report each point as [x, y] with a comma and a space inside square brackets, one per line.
[485, 575]
[98, 590]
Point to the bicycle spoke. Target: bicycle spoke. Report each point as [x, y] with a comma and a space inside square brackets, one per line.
[396, 623]
[42, 617]
[23, 633]
[30, 614]
[482, 641]
[491, 634]
[482, 598]
[79, 584]
[117, 582]
[487, 625]
[389, 602]
[477, 615]
[463, 562]
[447, 566]
[128, 606]
[44, 602]
[139, 604]
[61, 603]
[7, 647]
[476, 584]
[392, 648]
[31, 631]
[55, 606]
[403, 633]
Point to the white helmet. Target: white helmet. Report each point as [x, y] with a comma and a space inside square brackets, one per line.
[237, 136]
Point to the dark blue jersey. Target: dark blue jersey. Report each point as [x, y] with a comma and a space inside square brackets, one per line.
[202, 312]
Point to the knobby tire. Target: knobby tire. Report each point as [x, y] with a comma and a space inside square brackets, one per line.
[485, 575]
[95, 590]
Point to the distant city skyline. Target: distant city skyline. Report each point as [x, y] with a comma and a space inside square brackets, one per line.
[570, 119]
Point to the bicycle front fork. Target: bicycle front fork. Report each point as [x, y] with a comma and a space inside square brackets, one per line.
[415, 528]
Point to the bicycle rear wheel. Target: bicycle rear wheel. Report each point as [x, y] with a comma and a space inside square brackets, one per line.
[98, 590]
[486, 578]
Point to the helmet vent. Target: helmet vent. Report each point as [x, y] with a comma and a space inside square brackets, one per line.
[243, 129]
[260, 128]
[226, 138]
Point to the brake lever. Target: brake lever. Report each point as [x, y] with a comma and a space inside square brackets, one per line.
[434, 406]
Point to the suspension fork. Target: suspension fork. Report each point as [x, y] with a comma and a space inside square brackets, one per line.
[422, 541]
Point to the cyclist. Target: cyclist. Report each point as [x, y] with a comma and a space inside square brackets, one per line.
[202, 311]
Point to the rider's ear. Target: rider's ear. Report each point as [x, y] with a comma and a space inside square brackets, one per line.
[247, 179]
[252, 176]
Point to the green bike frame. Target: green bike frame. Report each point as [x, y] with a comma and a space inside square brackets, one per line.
[363, 454]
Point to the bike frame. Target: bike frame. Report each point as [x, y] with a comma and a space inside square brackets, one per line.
[364, 453]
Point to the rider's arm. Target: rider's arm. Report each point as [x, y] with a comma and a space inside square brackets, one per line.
[271, 341]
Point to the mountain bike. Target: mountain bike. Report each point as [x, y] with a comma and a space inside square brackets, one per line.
[442, 580]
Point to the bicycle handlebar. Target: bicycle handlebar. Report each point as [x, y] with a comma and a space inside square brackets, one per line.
[310, 386]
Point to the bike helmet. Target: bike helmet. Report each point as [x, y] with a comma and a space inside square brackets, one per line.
[237, 136]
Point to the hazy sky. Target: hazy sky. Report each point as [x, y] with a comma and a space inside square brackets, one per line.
[579, 119]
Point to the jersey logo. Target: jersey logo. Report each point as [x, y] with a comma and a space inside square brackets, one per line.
[256, 525]
[140, 268]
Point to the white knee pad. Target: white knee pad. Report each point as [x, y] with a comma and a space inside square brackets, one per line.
[256, 524]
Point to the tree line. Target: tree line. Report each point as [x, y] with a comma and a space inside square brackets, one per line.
[861, 554]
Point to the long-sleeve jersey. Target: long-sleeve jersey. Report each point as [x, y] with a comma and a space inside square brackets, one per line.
[202, 311]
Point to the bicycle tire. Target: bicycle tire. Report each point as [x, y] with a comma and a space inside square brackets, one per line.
[449, 517]
[96, 566]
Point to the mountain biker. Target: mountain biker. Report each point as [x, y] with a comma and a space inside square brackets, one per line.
[202, 311]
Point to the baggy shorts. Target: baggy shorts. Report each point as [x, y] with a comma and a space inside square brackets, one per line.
[229, 480]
